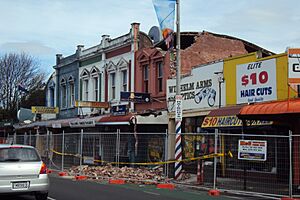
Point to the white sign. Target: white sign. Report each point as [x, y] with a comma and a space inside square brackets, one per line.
[294, 68]
[178, 111]
[82, 123]
[56, 125]
[199, 90]
[256, 82]
[252, 150]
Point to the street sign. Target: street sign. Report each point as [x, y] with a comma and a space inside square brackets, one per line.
[178, 108]
[44, 110]
[136, 97]
[91, 104]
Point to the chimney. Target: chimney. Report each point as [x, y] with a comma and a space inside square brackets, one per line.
[58, 58]
[135, 29]
[105, 40]
[79, 50]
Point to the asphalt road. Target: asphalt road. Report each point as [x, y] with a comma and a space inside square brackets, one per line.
[65, 189]
[62, 189]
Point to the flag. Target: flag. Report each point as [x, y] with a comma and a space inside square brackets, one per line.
[165, 12]
[22, 88]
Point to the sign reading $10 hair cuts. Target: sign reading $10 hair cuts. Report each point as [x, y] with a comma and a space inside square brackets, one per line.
[198, 90]
[256, 82]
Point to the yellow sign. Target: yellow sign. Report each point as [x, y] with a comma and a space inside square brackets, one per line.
[91, 104]
[230, 121]
[44, 110]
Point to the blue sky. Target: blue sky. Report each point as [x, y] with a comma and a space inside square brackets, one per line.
[43, 28]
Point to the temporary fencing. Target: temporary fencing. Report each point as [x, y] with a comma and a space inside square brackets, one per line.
[249, 163]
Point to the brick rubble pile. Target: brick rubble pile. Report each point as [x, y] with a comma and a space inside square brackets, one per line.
[130, 174]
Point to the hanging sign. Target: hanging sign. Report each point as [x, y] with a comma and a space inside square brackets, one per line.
[44, 110]
[91, 104]
[136, 97]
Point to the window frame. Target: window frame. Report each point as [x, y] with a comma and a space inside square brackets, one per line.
[146, 78]
[113, 85]
[160, 77]
[124, 80]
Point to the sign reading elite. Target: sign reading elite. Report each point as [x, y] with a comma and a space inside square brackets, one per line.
[44, 110]
[256, 82]
[91, 104]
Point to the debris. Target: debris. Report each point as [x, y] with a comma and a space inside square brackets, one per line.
[141, 175]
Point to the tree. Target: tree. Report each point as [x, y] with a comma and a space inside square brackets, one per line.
[17, 69]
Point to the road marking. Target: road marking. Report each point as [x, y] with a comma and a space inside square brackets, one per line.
[51, 198]
[152, 193]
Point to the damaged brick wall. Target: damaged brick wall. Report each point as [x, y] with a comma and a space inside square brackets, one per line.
[208, 48]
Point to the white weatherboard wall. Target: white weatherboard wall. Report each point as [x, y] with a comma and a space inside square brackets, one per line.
[200, 90]
[98, 65]
[116, 65]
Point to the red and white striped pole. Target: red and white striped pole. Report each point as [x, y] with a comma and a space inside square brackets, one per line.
[178, 150]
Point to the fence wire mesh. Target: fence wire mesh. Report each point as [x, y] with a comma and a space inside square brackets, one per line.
[261, 164]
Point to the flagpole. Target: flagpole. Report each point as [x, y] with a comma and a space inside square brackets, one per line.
[178, 148]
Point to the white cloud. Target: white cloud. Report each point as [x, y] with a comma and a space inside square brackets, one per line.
[34, 48]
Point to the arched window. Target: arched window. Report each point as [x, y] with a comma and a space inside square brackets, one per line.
[84, 85]
[71, 97]
[63, 86]
[95, 80]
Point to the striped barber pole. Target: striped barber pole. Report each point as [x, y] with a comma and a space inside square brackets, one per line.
[178, 151]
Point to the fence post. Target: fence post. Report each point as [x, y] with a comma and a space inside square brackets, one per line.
[25, 138]
[215, 158]
[63, 151]
[15, 138]
[291, 165]
[47, 148]
[30, 137]
[81, 147]
[166, 154]
[118, 148]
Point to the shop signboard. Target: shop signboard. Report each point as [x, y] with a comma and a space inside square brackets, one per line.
[119, 110]
[256, 81]
[252, 150]
[230, 121]
[91, 104]
[82, 123]
[200, 90]
[56, 125]
[44, 110]
[294, 68]
[136, 97]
